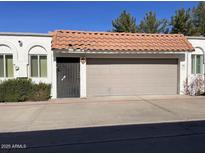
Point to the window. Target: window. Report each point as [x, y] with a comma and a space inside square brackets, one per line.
[38, 65]
[6, 66]
[197, 64]
[1, 66]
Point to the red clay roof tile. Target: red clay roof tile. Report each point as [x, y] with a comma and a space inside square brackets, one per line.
[67, 39]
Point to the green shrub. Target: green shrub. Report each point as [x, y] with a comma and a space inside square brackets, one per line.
[17, 90]
[40, 92]
[1, 93]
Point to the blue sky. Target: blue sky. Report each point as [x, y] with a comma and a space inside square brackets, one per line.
[94, 16]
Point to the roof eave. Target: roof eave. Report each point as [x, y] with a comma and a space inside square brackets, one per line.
[78, 51]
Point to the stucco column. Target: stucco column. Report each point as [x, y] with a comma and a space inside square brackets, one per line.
[54, 77]
[183, 68]
[83, 77]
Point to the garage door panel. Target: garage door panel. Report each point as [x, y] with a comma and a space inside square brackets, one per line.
[131, 76]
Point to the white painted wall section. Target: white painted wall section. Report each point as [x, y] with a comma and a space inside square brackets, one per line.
[199, 45]
[21, 45]
[83, 78]
[182, 72]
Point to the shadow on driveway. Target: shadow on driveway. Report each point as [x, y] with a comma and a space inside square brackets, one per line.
[163, 137]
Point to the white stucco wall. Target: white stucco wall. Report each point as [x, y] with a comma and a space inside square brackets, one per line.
[83, 75]
[41, 44]
[31, 43]
[199, 45]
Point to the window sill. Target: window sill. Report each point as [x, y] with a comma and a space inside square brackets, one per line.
[198, 74]
[38, 77]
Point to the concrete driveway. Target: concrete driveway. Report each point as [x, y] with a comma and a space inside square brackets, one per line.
[105, 124]
[99, 111]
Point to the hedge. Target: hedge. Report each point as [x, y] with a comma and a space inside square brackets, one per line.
[18, 90]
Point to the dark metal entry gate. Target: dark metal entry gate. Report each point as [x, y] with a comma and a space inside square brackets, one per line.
[68, 77]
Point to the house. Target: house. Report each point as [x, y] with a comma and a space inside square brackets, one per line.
[86, 64]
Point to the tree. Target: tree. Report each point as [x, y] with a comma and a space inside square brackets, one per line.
[199, 18]
[124, 23]
[182, 22]
[151, 24]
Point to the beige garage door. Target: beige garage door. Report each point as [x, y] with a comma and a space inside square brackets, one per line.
[131, 76]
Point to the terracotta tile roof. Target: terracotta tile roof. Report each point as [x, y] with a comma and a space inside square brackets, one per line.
[109, 41]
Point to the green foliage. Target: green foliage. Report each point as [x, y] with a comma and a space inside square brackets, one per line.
[199, 18]
[1, 93]
[124, 23]
[188, 22]
[40, 92]
[17, 90]
[182, 23]
[151, 24]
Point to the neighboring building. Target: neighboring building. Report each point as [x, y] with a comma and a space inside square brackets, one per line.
[83, 64]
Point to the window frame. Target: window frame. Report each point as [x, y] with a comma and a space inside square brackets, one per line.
[4, 63]
[195, 64]
[38, 64]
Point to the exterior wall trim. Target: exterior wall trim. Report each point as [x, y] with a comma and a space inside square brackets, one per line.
[72, 51]
[197, 47]
[24, 34]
